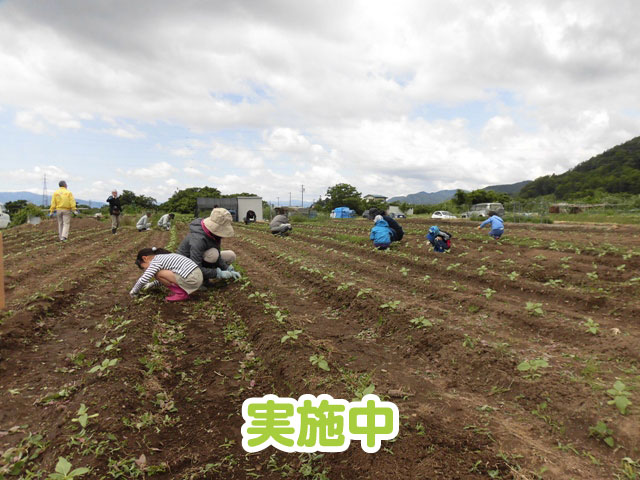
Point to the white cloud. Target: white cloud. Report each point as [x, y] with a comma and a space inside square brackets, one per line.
[154, 171]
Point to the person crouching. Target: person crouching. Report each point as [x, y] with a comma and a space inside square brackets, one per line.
[440, 239]
[380, 233]
[179, 274]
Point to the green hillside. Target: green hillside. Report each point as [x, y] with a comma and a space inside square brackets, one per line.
[615, 171]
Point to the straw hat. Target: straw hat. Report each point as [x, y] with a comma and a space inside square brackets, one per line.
[219, 223]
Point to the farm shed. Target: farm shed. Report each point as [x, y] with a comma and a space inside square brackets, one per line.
[237, 206]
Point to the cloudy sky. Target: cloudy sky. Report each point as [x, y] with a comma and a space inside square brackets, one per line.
[264, 96]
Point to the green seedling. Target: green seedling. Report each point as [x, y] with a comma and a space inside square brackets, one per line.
[365, 391]
[345, 286]
[508, 261]
[421, 322]
[391, 305]
[513, 276]
[404, 271]
[280, 317]
[328, 276]
[602, 432]
[592, 275]
[488, 292]
[319, 361]
[363, 292]
[291, 334]
[64, 472]
[621, 268]
[468, 342]
[105, 365]
[553, 283]
[481, 270]
[592, 327]
[453, 266]
[619, 394]
[83, 416]
[534, 309]
[427, 278]
[113, 343]
[532, 366]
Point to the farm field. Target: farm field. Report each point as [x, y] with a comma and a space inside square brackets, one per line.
[512, 359]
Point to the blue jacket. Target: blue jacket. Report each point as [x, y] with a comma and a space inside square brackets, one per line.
[496, 223]
[381, 233]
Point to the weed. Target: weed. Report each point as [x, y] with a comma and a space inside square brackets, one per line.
[534, 309]
[421, 322]
[602, 432]
[345, 286]
[592, 327]
[319, 361]
[488, 292]
[532, 366]
[363, 292]
[468, 342]
[619, 394]
[64, 472]
[291, 334]
[391, 305]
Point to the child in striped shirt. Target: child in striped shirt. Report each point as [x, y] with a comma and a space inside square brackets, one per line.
[178, 273]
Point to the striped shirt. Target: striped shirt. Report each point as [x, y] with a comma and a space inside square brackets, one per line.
[178, 264]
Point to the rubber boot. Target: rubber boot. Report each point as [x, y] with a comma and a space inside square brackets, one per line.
[113, 230]
[178, 294]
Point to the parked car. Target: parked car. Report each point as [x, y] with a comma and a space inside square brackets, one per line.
[401, 215]
[442, 214]
[4, 217]
[482, 210]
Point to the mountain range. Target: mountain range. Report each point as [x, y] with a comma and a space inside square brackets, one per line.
[431, 198]
[37, 199]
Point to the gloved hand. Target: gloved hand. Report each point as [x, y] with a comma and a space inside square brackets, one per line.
[132, 293]
[75, 212]
[148, 286]
[52, 214]
[227, 274]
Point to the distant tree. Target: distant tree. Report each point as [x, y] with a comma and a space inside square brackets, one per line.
[28, 210]
[15, 206]
[184, 201]
[344, 195]
[127, 197]
[460, 197]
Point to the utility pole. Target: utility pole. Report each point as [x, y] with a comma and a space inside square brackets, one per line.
[44, 191]
[302, 192]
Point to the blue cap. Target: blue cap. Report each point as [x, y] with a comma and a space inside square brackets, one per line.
[434, 230]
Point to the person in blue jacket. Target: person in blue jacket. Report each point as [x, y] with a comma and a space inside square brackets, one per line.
[380, 233]
[440, 239]
[497, 225]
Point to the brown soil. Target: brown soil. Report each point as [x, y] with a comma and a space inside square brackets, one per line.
[183, 370]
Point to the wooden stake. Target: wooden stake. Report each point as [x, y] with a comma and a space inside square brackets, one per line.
[1, 275]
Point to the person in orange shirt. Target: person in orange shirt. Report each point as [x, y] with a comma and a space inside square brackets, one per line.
[63, 203]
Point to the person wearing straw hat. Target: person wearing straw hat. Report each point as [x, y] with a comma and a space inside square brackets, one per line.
[203, 245]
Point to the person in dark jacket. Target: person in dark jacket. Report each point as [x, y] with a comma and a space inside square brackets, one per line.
[115, 209]
[440, 239]
[380, 233]
[203, 245]
[396, 230]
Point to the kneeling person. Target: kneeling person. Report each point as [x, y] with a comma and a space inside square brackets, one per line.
[280, 225]
[380, 233]
[178, 273]
[440, 239]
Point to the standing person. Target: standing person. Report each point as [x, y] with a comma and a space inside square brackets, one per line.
[203, 245]
[165, 221]
[144, 223]
[179, 274]
[497, 225]
[63, 203]
[380, 233]
[114, 210]
[280, 224]
[396, 230]
[440, 239]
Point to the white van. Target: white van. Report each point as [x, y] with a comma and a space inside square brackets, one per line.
[482, 210]
[4, 217]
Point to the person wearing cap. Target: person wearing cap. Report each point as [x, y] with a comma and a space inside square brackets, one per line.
[396, 230]
[203, 245]
[165, 221]
[114, 211]
[440, 239]
[63, 203]
[380, 233]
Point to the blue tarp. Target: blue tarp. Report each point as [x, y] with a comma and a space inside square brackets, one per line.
[343, 212]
